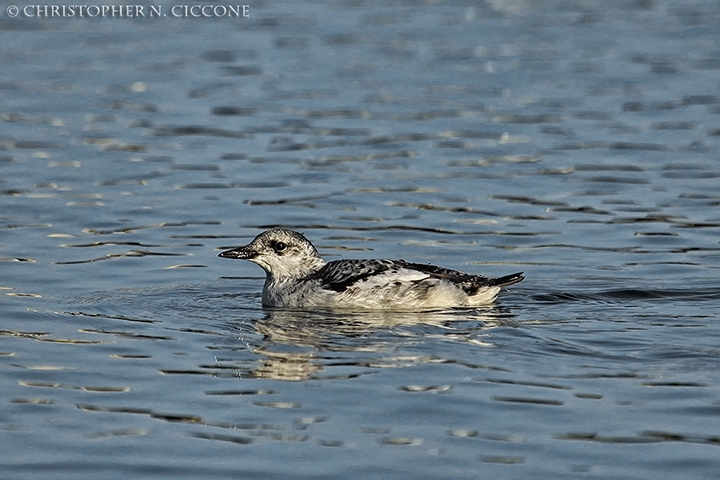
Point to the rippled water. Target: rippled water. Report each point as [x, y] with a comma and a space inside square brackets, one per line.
[575, 141]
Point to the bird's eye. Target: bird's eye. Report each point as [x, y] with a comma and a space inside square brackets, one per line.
[280, 247]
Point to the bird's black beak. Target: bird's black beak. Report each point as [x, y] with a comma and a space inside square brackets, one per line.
[243, 253]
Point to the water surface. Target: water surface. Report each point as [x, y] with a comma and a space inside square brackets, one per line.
[575, 142]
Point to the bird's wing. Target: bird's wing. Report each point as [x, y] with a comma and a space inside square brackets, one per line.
[469, 283]
[341, 274]
[507, 280]
[338, 275]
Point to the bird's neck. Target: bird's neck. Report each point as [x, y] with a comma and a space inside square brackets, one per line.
[295, 272]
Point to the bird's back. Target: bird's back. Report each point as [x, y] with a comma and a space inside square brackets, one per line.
[396, 284]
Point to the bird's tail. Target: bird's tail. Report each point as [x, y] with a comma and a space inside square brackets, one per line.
[506, 280]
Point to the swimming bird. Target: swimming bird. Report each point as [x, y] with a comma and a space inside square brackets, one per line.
[298, 277]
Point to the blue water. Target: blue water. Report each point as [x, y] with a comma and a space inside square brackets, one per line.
[574, 141]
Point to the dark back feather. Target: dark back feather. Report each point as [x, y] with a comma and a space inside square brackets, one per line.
[339, 275]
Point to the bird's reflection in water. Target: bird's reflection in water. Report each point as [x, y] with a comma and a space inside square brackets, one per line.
[298, 345]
